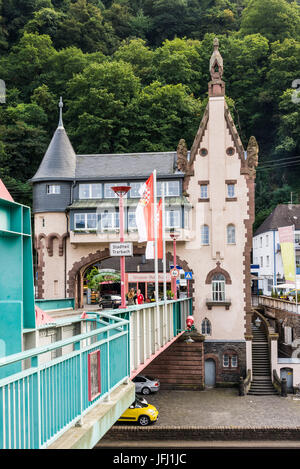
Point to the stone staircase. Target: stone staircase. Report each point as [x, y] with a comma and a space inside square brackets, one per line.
[261, 384]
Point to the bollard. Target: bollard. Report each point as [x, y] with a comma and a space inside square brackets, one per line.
[241, 387]
[283, 387]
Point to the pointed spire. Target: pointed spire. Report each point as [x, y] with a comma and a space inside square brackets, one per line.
[216, 86]
[59, 161]
[61, 105]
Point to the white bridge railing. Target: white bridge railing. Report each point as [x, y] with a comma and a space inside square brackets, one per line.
[276, 303]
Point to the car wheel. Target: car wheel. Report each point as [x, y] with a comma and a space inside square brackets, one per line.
[145, 391]
[144, 420]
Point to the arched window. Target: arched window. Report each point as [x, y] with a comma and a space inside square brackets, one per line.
[206, 327]
[218, 287]
[230, 234]
[205, 234]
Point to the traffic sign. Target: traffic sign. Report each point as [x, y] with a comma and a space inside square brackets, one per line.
[174, 273]
[188, 275]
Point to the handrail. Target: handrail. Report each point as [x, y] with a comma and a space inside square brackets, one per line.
[9, 359]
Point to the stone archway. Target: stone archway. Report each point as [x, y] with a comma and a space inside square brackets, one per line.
[75, 274]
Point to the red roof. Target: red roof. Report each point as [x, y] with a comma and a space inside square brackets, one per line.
[4, 194]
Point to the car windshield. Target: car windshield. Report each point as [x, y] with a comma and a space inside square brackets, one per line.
[150, 378]
[138, 404]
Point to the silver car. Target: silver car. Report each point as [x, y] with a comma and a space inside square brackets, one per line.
[145, 384]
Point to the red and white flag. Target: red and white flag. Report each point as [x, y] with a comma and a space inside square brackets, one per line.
[145, 212]
[150, 249]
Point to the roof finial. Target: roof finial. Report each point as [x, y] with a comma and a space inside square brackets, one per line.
[61, 105]
[216, 86]
[216, 43]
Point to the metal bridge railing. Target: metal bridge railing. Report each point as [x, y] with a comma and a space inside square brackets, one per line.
[41, 402]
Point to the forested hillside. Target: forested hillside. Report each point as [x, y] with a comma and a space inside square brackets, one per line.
[133, 75]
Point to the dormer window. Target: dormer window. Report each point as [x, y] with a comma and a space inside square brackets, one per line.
[53, 189]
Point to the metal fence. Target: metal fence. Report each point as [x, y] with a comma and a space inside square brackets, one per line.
[43, 401]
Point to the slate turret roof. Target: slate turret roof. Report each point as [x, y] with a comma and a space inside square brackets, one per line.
[59, 162]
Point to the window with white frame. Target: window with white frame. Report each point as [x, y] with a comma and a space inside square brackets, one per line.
[172, 219]
[204, 191]
[79, 221]
[230, 234]
[53, 189]
[218, 287]
[206, 327]
[204, 234]
[135, 189]
[131, 220]
[109, 220]
[267, 240]
[268, 261]
[230, 360]
[226, 361]
[91, 221]
[172, 188]
[90, 191]
[261, 261]
[109, 193]
[86, 221]
[230, 190]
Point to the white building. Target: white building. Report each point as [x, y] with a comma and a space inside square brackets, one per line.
[266, 246]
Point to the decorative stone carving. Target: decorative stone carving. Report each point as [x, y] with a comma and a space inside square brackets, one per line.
[182, 162]
[252, 156]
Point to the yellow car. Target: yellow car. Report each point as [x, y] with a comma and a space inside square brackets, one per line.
[139, 412]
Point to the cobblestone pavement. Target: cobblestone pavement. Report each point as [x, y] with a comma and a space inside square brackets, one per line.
[223, 407]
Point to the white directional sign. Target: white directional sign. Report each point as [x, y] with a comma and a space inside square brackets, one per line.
[120, 249]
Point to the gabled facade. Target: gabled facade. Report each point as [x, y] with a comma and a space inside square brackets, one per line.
[209, 201]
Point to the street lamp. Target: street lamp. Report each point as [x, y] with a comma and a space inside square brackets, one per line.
[174, 235]
[121, 191]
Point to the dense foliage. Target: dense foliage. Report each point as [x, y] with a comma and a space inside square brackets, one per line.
[133, 75]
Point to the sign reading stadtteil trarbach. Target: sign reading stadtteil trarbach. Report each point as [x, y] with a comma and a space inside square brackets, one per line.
[286, 239]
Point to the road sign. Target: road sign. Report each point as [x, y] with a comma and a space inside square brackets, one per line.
[174, 273]
[188, 275]
[120, 249]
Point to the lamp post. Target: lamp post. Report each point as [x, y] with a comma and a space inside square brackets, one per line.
[174, 235]
[121, 191]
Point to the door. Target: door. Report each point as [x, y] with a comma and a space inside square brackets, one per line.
[210, 373]
[288, 374]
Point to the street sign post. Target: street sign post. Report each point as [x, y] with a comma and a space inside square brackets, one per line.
[188, 276]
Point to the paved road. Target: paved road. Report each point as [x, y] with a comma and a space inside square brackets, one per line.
[215, 408]
[223, 407]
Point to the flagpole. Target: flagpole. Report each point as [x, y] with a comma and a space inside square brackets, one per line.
[296, 292]
[164, 242]
[164, 262]
[156, 257]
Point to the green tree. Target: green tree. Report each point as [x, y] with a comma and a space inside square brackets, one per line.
[136, 53]
[99, 99]
[163, 115]
[274, 19]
